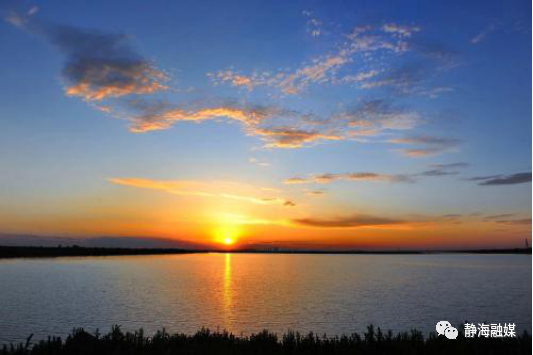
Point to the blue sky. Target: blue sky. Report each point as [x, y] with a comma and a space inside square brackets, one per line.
[361, 114]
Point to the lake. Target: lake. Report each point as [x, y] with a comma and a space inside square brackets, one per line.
[246, 293]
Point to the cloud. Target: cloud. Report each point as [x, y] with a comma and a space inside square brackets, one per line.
[516, 222]
[427, 145]
[438, 172]
[499, 216]
[258, 162]
[194, 188]
[239, 80]
[315, 192]
[256, 121]
[452, 216]
[33, 10]
[443, 169]
[401, 31]
[441, 56]
[313, 25]
[295, 180]
[495, 180]
[102, 65]
[98, 65]
[483, 34]
[371, 117]
[21, 19]
[360, 176]
[359, 44]
[159, 116]
[326, 178]
[360, 77]
[458, 165]
[505, 218]
[288, 137]
[402, 79]
[346, 222]
[435, 92]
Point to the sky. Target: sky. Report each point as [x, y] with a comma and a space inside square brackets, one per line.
[301, 124]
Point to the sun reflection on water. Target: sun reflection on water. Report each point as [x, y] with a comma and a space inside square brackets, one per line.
[227, 290]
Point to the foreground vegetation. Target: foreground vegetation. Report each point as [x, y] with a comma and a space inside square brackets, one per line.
[207, 342]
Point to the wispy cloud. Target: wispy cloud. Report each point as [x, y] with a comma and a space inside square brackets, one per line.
[21, 19]
[295, 180]
[104, 70]
[257, 121]
[315, 192]
[495, 180]
[195, 188]
[483, 34]
[288, 137]
[278, 127]
[346, 222]
[257, 162]
[370, 118]
[443, 169]
[499, 216]
[507, 218]
[439, 170]
[458, 165]
[362, 41]
[399, 30]
[516, 222]
[412, 78]
[313, 24]
[359, 176]
[161, 116]
[33, 10]
[427, 145]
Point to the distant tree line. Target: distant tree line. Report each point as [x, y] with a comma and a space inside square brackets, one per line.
[33, 252]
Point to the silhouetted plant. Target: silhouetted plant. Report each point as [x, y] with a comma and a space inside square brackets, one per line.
[117, 342]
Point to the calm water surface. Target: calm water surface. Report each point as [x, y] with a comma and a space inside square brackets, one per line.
[246, 293]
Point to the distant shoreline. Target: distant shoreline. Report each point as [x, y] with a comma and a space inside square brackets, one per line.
[9, 252]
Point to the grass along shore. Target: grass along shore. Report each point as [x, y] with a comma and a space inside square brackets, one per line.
[373, 341]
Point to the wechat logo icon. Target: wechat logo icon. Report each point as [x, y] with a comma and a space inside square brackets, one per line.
[445, 328]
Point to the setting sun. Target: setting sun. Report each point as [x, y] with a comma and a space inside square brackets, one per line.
[227, 234]
[228, 241]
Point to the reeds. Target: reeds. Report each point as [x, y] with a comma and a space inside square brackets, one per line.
[373, 341]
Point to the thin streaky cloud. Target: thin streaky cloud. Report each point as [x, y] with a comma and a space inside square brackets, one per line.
[295, 180]
[357, 176]
[458, 165]
[483, 34]
[427, 145]
[495, 180]
[499, 216]
[437, 172]
[194, 188]
[516, 222]
[354, 221]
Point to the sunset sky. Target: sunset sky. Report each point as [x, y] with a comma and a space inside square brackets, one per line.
[313, 124]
